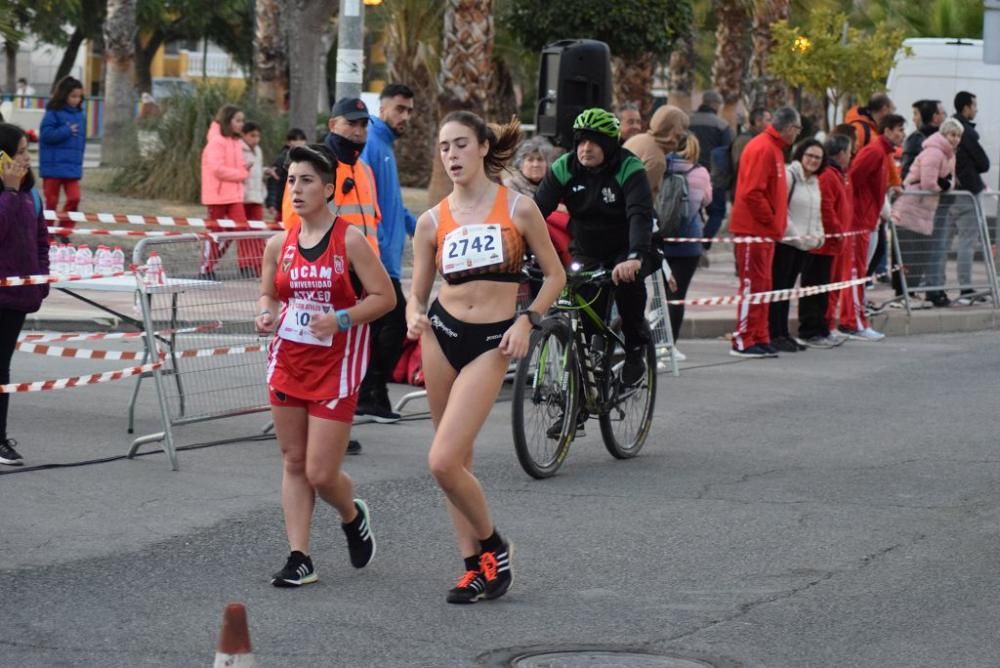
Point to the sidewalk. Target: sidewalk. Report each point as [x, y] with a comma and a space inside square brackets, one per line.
[61, 312]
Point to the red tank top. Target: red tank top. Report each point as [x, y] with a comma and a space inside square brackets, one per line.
[299, 363]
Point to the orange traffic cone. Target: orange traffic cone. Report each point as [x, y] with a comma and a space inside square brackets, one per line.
[234, 641]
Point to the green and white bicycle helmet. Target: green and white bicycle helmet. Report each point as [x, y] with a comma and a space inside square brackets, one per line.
[598, 120]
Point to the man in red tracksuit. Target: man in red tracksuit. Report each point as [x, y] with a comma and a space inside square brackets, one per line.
[760, 208]
[869, 178]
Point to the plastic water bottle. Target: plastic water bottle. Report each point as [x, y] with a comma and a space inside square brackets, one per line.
[99, 260]
[83, 264]
[154, 270]
[117, 260]
[65, 264]
[104, 262]
[54, 258]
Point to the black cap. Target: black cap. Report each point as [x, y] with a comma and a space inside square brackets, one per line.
[351, 108]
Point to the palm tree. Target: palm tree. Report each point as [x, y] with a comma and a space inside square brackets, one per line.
[682, 60]
[412, 41]
[270, 59]
[633, 80]
[307, 26]
[466, 69]
[766, 90]
[119, 93]
[731, 51]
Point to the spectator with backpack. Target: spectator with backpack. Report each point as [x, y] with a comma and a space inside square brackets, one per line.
[688, 186]
[865, 120]
[805, 223]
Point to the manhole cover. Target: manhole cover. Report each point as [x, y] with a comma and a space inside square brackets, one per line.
[603, 659]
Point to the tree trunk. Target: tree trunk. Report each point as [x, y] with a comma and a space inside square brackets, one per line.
[766, 90]
[466, 70]
[271, 72]
[731, 52]
[144, 54]
[501, 103]
[307, 22]
[682, 72]
[412, 48]
[119, 94]
[633, 81]
[69, 56]
[10, 49]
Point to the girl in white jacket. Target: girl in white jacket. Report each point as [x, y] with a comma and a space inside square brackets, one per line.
[806, 224]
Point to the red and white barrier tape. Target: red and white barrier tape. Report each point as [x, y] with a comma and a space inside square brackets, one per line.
[171, 221]
[110, 336]
[78, 381]
[66, 231]
[42, 279]
[84, 354]
[773, 295]
[763, 240]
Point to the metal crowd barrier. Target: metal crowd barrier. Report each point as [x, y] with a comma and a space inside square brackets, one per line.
[943, 243]
[200, 321]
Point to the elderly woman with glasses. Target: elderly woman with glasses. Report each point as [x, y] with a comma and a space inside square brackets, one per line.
[803, 234]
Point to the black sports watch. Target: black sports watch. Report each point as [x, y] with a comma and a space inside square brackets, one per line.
[534, 317]
[633, 256]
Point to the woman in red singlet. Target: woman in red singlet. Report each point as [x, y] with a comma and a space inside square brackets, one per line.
[328, 284]
[475, 238]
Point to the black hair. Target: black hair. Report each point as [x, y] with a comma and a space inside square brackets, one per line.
[392, 90]
[60, 94]
[224, 118]
[250, 126]
[837, 143]
[962, 100]
[295, 134]
[805, 145]
[756, 114]
[10, 140]
[927, 109]
[891, 122]
[503, 139]
[317, 155]
[878, 102]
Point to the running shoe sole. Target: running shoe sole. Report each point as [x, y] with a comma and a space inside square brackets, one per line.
[289, 584]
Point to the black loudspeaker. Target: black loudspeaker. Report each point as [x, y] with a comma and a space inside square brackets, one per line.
[573, 75]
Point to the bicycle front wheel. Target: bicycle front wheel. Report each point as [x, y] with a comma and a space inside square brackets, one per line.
[545, 400]
[626, 422]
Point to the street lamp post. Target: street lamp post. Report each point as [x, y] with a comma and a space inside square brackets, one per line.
[351, 47]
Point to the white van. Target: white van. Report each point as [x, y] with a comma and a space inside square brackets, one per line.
[940, 68]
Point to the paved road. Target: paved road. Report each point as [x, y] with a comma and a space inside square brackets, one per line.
[830, 508]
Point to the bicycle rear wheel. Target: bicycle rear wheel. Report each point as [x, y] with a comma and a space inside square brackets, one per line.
[545, 400]
[625, 425]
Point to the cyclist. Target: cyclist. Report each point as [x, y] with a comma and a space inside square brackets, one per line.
[476, 237]
[605, 189]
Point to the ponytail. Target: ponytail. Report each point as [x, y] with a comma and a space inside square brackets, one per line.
[503, 139]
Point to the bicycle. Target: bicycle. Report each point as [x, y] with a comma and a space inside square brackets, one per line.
[563, 375]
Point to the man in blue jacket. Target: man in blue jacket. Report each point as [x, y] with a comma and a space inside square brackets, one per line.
[395, 109]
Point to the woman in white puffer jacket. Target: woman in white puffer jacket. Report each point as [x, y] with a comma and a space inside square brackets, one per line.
[804, 222]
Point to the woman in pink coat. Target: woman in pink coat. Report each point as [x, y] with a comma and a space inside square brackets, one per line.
[223, 171]
[933, 171]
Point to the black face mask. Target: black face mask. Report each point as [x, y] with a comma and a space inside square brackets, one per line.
[345, 149]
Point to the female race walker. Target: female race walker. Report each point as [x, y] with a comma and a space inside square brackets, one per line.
[475, 238]
[319, 356]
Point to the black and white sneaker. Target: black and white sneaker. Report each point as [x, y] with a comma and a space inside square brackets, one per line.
[469, 588]
[298, 571]
[8, 455]
[496, 569]
[360, 539]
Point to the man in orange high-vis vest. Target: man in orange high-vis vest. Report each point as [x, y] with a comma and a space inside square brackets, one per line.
[355, 199]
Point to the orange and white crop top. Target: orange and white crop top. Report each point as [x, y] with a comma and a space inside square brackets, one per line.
[489, 251]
